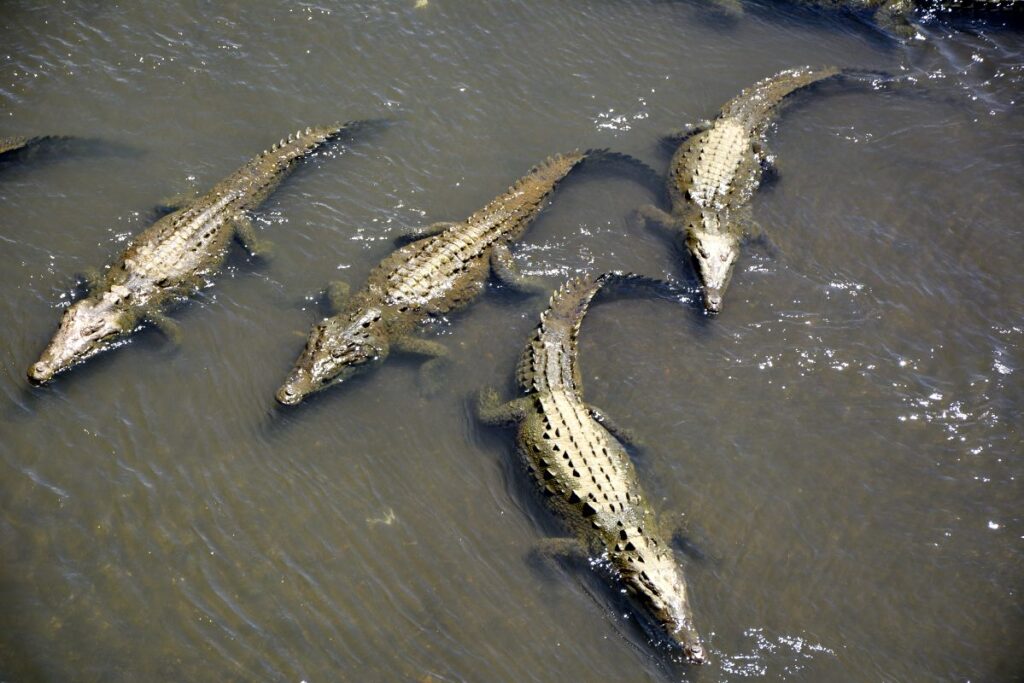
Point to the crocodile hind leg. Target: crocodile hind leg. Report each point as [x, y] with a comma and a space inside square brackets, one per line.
[676, 137]
[892, 17]
[436, 354]
[623, 434]
[769, 163]
[174, 202]
[507, 272]
[491, 411]
[245, 231]
[422, 233]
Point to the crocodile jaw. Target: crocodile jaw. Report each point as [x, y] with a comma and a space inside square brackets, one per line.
[665, 595]
[87, 327]
[715, 255]
[335, 351]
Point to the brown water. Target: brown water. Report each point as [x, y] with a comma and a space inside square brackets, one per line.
[845, 439]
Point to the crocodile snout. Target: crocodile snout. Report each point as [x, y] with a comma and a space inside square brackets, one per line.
[713, 300]
[40, 373]
[694, 653]
[295, 389]
[288, 395]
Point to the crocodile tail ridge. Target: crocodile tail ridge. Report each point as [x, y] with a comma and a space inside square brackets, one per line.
[755, 103]
[550, 170]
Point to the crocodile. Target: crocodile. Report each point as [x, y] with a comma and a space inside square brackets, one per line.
[11, 144]
[714, 173]
[576, 457]
[891, 16]
[173, 258]
[440, 268]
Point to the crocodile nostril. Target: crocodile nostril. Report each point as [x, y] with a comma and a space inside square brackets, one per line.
[39, 372]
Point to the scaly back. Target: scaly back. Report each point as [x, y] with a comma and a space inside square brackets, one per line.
[523, 199]
[257, 178]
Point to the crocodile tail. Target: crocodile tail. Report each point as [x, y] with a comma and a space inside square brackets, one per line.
[9, 144]
[755, 103]
[550, 171]
[12, 144]
[635, 168]
[303, 142]
[567, 308]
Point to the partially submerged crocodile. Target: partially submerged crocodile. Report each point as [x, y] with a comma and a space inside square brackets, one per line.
[714, 173]
[893, 16]
[571, 450]
[11, 144]
[173, 257]
[16, 143]
[444, 267]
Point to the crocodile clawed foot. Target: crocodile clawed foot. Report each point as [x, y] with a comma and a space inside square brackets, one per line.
[170, 330]
[550, 552]
[337, 295]
[262, 250]
[690, 541]
[431, 376]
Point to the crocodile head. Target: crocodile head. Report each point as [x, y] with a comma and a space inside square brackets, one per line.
[337, 349]
[714, 253]
[87, 327]
[660, 589]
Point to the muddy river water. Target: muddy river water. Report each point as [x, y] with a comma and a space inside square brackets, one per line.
[844, 440]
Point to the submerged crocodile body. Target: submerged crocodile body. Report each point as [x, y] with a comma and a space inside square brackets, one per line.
[714, 173]
[445, 267]
[172, 258]
[574, 456]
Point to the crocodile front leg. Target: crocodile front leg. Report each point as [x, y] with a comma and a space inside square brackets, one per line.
[687, 537]
[430, 371]
[91, 279]
[337, 295]
[769, 163]
[653, 217]
[550, 550]
[245, 232]
[167, 327]
[423, 233]
[491, 411]
[507, 272]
